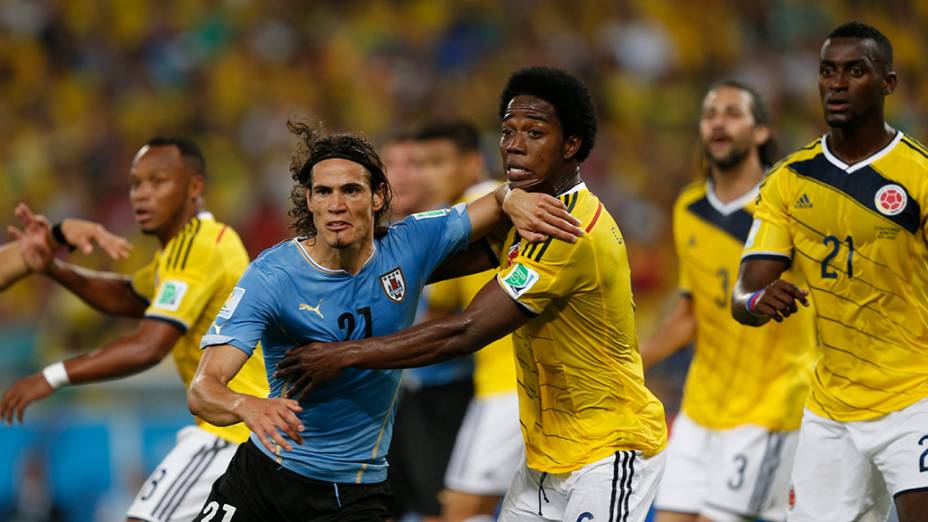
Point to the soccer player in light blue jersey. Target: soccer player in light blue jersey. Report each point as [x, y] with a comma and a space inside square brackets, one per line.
[344, 277]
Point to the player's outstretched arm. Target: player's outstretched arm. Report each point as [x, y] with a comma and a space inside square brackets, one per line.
[125, 356]
[491, 315]
[675, 331]
[108, 292]
[210, 398]
[12, 265]
[759, 295]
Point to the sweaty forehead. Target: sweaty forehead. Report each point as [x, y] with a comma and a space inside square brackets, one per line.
[161, 157]
[528, 106]
[338, 171]
[842, 49]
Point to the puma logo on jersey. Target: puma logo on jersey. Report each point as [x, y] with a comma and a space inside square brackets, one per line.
[804, 201]
[218, 328]
[313, 309]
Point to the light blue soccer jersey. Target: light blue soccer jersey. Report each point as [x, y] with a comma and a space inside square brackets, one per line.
[285, 299]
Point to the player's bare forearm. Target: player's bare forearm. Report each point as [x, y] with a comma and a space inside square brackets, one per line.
[128, 355]
[107, 292]
[491, 315]
[12, 266]
[209, 396]
[674, 332]
[759, 295]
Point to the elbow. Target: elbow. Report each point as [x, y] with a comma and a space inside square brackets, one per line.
[194, 398]
[148, 358]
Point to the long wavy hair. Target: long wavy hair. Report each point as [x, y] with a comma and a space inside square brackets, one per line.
[314, 146]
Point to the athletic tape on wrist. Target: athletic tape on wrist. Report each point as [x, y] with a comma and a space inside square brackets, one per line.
[56, 375]
[753, 299]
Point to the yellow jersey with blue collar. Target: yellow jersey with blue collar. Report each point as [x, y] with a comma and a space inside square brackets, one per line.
[739, 374]
[858, 234]
[581, 386]
[186, 284]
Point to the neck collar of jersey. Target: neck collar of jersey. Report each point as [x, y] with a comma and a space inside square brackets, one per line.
[204, 215]
[576, 188]
[297, 241]
[733, 205]
[863, 163]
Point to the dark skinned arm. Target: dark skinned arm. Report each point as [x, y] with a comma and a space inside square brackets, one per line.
[107, 292]
[777, 299]
[491, 315]
[125, 356]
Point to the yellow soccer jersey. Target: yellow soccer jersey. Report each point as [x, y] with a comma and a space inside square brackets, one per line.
[494, 367]
[580, 381]
[739, 374]
[858, 234]
[186, 284]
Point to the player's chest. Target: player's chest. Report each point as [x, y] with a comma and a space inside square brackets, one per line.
[355, 308]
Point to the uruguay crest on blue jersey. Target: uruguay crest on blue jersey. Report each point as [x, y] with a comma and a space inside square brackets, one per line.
[394, 284]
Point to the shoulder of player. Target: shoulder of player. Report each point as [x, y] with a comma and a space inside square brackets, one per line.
[915, 150]
[688, 194]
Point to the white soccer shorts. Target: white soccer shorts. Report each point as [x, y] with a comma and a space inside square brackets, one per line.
[853, 470]
[727, 475]
[619, 487]
[488, 448]
[180, 485]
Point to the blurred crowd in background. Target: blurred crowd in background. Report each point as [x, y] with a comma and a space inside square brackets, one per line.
[84, 82]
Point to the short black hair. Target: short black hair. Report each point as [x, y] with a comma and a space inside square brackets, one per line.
[463, 133]
[769, 151]
[863, 31]
[314, 146]
[572, 101]
[189, 151]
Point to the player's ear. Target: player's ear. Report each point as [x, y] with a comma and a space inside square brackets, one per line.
[571, 146]
[761, 135]
[197, 184]
[378, 198]
[889, 83]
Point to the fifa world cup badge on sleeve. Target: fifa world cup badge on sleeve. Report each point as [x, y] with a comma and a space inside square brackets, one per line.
[228, 308]
[171, 294]
[520, 279]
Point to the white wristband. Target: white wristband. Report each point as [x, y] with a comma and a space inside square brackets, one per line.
[56, 375]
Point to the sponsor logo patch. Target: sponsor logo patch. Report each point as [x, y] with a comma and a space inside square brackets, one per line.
[394, 285]
[170, 295]
[890, 200]
[228, 308]
[431, 214]
[803, 201]
[520, 279]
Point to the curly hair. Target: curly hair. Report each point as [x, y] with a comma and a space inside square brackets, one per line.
[572, 101]
[313, 146]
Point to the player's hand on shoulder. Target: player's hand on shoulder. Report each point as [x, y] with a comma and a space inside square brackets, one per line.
[308, 367]
[21, 394]
[83, 234]
[537, 216]
[267, 417]
[777, 300]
